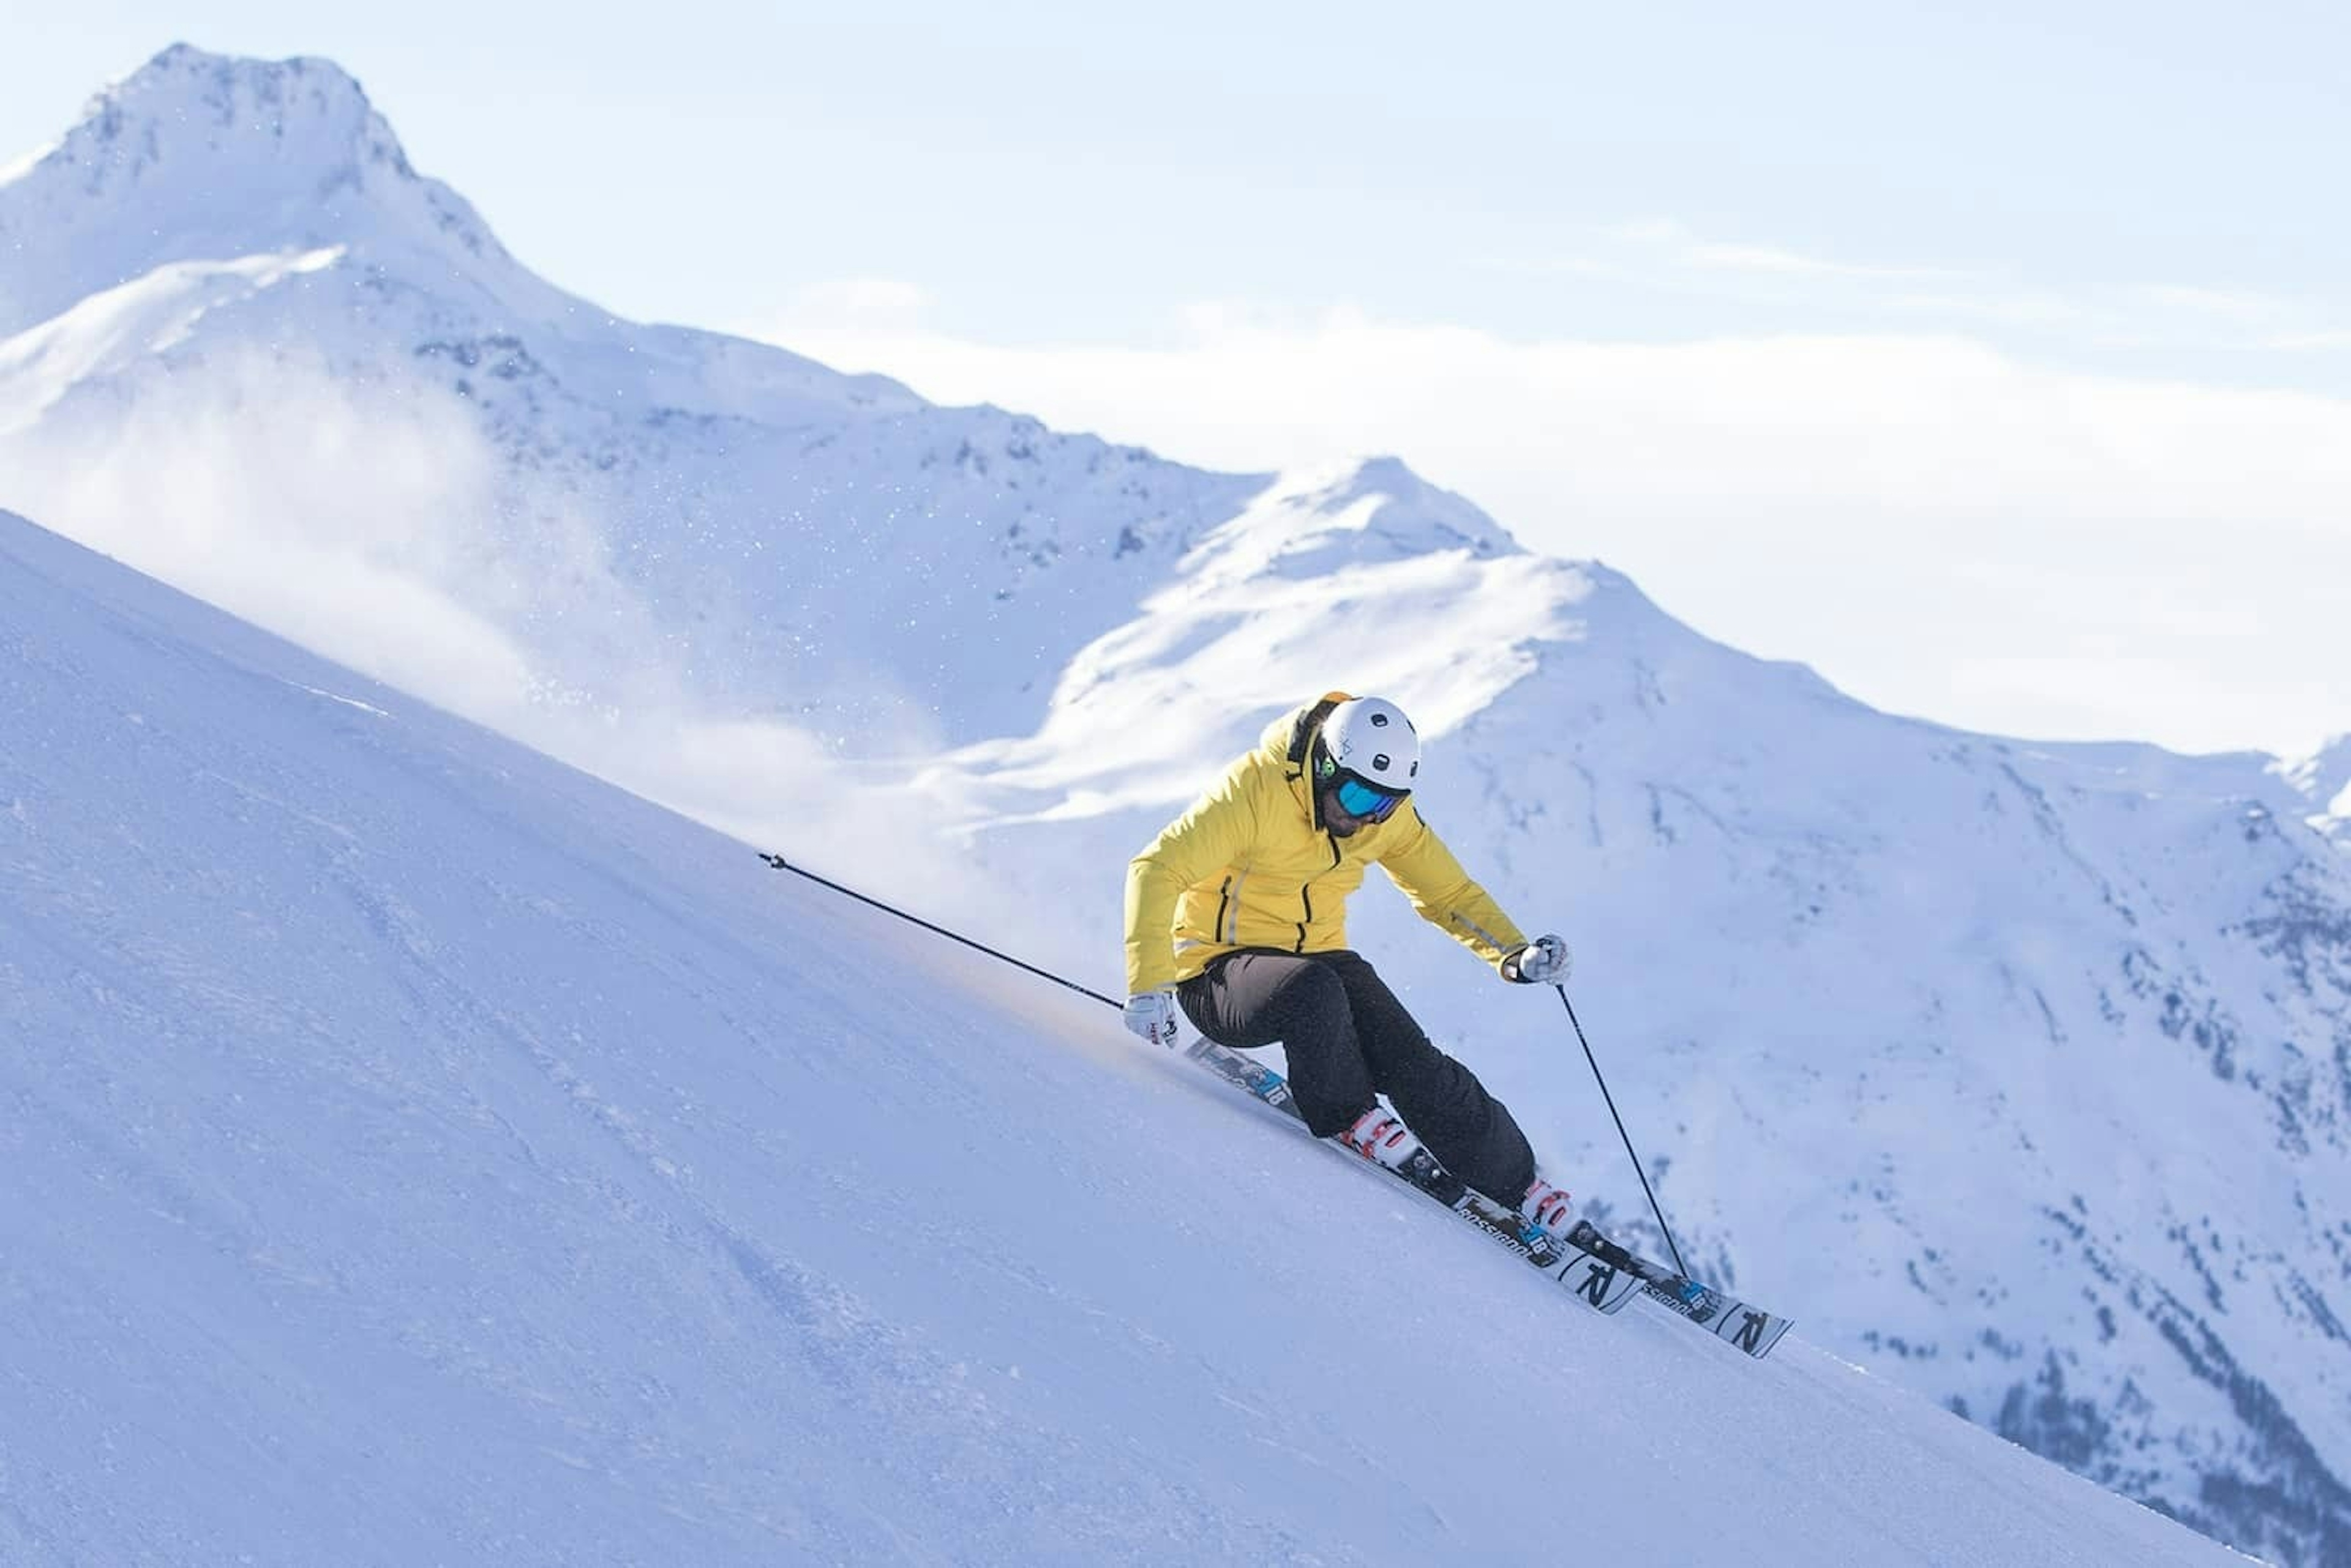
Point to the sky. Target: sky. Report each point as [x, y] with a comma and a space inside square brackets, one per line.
[1997, 363]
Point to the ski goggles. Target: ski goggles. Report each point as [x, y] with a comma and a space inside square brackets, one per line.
[1367, 802]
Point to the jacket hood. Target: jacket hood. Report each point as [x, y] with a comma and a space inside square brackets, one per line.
[1289, 741]
[1289, 737]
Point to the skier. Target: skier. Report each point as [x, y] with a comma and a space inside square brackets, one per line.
[1237, 911]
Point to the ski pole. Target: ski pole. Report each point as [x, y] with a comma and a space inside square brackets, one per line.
[780, 863]
[1620, 1130]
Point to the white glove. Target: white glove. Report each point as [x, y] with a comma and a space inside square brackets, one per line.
[1152, 1015]
[1541, 962]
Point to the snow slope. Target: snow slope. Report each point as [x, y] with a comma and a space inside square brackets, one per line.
[2048, 1047]
[419, 1151]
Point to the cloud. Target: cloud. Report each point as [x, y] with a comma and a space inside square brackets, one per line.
[1767, 258]
[874, 304]
[335, 527]
[1661, 253]
[1648, 232]
[1670, 244]
[372, 522]
[2229, 304]
[2306, 342]
[2013, 309]
[1879, 505]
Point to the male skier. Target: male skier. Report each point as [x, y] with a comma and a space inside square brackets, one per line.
[1238, 912]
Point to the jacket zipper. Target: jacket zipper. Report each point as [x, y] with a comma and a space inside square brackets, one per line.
[1306, 897]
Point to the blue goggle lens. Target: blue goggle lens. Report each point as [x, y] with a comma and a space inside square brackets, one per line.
[1358, 799]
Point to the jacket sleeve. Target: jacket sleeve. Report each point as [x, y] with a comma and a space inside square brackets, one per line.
[1214, 834]
[1445, 896]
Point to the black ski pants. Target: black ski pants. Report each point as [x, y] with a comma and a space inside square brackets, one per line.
[1347, 1039]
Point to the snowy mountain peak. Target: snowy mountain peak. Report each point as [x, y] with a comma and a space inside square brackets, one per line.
[2324, 774]
[186, 97]
[197, 157]
[186, 115]
[2323, 779]
[1361, 512]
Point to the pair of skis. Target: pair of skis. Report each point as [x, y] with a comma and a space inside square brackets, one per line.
[1589, 1266]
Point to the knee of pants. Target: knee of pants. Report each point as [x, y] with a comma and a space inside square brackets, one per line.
[1418, 1068]
[1312, 997]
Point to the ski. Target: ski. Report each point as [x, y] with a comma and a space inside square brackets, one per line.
[1735, 1323]
[1603, 1284]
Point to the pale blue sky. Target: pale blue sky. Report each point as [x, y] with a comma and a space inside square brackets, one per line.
[2141, 186]
[1993, 359]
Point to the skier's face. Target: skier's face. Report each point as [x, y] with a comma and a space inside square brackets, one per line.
[1342, 824]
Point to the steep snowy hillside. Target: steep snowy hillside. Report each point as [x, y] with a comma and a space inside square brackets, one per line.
[422, 1152]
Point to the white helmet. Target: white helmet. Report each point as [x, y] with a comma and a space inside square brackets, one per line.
[1371, 739]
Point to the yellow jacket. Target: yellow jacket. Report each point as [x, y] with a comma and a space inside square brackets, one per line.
[1250, 865]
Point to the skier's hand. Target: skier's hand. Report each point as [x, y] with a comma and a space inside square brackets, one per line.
[1152, 1015]
[1541, 962]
